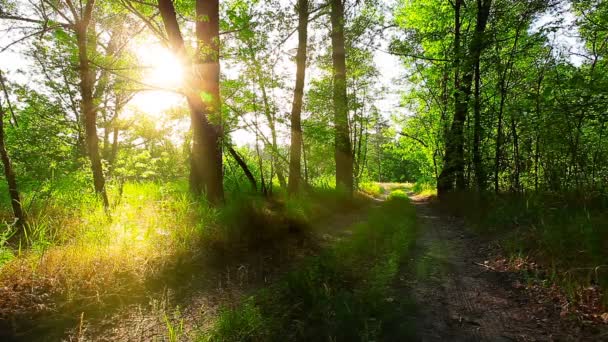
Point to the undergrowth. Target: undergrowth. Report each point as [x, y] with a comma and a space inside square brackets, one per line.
[424, 189]
[567, 235]
[342, 295]
[74, 257]
[372, 188]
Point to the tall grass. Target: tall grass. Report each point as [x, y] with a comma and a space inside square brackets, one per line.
[79, 258]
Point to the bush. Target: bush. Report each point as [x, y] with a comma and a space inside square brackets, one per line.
[567, 235]
[397, 194]
[424, 189]
[372, 188]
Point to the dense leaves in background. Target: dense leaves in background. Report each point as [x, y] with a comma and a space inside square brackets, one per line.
[536, 115]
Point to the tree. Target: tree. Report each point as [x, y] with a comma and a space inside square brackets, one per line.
[9, 172]
[454, 163]
[202, 93]
[343, 153]
[295, 155]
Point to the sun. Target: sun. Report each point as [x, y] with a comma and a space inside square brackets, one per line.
[161, 68]
[162, 76]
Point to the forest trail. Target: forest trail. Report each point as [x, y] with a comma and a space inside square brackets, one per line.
[460, 299]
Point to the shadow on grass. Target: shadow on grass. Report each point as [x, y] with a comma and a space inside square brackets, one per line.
[250, 242]
[344, 294]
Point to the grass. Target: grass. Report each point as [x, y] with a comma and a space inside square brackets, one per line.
[75, 258]
[423, 189]
[344, 294]
[372, 188]
[567, 235]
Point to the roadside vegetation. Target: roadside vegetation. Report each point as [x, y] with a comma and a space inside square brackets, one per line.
[553, 238]
[75, 260]
[343, 294]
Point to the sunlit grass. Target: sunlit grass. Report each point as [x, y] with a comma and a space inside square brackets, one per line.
[372, 188]
[83, 253]
[422, 189]
[80, 258]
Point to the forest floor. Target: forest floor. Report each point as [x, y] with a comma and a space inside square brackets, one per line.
[185, 309]
[444, 287]
[460, 297]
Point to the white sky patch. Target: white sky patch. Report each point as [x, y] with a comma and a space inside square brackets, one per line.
[565, 40]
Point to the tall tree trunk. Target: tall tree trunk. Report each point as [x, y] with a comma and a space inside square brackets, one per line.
[270, 117]
[504, 89]
[453, 168]
[516, 171]
[343, 153]
[445, 181]
[498, 142]
[11, 179]
[114, 149]
[295, 152]
[202, 92]
[477, 162]
[537, 129]
[89, 109]
[208, 153]
[306, 181]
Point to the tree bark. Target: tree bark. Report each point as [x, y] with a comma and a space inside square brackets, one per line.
[343, 153]
[202, 93]
[295, 153]
[9, 173]
[89, 109]
[480, 178]
[445, 181]
[453, 168]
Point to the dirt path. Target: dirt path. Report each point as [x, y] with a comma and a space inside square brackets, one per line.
[458, 299]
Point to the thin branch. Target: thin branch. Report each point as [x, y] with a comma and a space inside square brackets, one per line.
[414, 138]
[30, 20]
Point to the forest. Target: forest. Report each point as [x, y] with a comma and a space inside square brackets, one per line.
[302, 170]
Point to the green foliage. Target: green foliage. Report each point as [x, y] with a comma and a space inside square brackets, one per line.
[398, 194]
[423, 188]
[175, 332]
[246, 324]
[6, 253]
[372, 188]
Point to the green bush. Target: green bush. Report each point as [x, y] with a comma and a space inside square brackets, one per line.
[372, 188]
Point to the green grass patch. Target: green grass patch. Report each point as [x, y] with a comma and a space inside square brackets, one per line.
[344, 294]
[424, 189]
[156, 235]
[372, 188]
